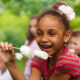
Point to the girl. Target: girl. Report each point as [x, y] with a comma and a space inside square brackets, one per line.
[52, 33]
[31, 42]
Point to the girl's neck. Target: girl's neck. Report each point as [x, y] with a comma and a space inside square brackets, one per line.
[53, 59]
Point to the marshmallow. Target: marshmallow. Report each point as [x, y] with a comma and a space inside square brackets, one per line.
[26, 51]
[19, 56]
[40, 54]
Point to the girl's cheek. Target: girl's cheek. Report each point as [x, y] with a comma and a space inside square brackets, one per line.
[38, 39]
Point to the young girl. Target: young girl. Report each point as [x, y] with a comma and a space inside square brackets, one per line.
[74, 42]
[52, 33]
[31, 42]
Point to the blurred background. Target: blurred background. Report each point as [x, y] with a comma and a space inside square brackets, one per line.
[15, 15]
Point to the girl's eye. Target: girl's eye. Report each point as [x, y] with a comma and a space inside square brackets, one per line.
[39, 33]
[51, 33]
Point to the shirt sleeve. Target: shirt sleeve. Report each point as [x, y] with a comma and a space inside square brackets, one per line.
[68, 65]
[36, 63]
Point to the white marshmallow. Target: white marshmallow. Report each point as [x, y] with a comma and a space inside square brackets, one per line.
[40, 54]
[26, 51]
[19, 56]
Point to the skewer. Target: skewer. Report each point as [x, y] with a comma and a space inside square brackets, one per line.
[49, 56]
[19, 49]
[16, 48]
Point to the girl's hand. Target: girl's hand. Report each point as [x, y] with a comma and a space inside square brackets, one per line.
[7, 52]
[8, 57]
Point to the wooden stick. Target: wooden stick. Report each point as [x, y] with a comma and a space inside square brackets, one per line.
[16, 48]
[49, 56]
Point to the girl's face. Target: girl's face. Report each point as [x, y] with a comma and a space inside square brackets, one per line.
[51, 35]
[74, 43]
[33, 24]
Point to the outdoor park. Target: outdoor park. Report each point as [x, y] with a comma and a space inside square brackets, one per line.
[15, 16]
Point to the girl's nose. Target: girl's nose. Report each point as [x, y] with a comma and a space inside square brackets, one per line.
[44, 39]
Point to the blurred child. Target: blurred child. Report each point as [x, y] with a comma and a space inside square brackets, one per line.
[31, 42]
[4, 73]
[74, 42]
[53, 32]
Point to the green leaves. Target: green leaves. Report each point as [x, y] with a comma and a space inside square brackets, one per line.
[13, 28]
[75, 23]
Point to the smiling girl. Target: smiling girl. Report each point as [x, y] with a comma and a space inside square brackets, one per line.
[52, 33]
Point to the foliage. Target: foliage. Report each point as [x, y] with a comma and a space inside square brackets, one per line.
[75, 23]
[13, 28]
[32, 7]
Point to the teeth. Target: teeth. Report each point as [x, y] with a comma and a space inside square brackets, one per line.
[47, 46]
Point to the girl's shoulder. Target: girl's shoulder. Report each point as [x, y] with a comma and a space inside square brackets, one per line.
[38, 63]
[26, 42]
[67, 55]
[33, 42]
[69, 63]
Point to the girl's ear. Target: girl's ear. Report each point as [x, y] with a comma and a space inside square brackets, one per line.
[67, 36]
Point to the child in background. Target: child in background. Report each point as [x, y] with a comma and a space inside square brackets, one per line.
[4, 73]
[74, 42]
[53, 32]
[31, 42]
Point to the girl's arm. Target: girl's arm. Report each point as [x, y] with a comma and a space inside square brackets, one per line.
[35, 74]
[7, 55]
[15, 72]
[60, 76]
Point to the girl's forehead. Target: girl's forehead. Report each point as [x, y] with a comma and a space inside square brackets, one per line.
[49, 21]
[50, 17]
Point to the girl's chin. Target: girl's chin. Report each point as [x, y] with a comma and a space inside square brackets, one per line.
[46, 50]
[50, 53]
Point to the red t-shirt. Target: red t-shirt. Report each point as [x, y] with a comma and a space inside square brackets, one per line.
[68, 62]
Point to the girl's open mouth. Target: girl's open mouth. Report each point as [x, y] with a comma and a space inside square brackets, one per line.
[46, 47]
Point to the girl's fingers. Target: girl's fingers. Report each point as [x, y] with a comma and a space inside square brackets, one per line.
[2, 45]
[11, 49]
[6, 45]
[10, 46]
